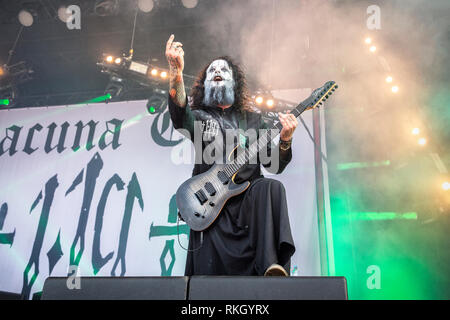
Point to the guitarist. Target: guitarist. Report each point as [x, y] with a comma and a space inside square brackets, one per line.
[252, 234]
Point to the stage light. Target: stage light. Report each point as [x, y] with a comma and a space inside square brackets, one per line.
[389, 79]
[4, 102]
[446, 186]
[259, 100]
[118, 60]
[145, 5]
[109, 59]
[394, 89]
[368, 40]
[157, 103]
[373, 49]
[115, 88]
[190, 3]
[25, 18]
[270, 103]
[2, 72]
[154, 72]
[422, 141]
[415, 131]
[163, 74]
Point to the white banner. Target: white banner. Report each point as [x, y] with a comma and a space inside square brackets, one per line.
[91, 188]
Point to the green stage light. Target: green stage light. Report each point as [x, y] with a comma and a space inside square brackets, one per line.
[151, 109]
[4, 102]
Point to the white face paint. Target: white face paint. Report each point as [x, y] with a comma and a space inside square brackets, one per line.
[218, 73]
[219, 84]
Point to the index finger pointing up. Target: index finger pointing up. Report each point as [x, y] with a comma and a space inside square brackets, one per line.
[169, 42]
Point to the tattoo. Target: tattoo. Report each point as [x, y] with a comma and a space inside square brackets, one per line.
[177, 91]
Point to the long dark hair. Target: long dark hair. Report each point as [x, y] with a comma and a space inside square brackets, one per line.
[241, 96]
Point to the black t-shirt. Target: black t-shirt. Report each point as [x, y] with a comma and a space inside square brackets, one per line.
[215, 123]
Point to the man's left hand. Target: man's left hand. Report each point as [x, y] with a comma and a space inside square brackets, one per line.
[289, 122]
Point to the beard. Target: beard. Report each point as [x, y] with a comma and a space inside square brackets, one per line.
[218, 95]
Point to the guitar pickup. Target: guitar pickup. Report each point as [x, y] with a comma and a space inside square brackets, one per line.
[201, 196]
[223, 177]
[210, 188]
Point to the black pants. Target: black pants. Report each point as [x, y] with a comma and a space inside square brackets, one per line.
[251, 233]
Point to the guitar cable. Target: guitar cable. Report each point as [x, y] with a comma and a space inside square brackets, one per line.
[179, 242]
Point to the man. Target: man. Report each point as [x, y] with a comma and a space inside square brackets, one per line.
[251, 235]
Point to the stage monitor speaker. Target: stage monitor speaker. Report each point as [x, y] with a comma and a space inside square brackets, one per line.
[9, 296]
[115, 288]
[267, 288]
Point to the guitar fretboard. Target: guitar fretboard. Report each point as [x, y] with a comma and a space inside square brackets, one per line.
[248, 154]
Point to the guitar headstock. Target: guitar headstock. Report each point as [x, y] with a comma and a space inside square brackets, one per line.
[320, 95]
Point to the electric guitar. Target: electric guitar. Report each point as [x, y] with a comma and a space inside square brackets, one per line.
[201, 198]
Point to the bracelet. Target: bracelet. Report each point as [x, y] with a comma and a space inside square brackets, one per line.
[285, 145]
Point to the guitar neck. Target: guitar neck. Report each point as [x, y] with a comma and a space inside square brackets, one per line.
[261, 143]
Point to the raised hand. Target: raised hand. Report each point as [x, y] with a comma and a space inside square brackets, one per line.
[175, 57]
[175, 54]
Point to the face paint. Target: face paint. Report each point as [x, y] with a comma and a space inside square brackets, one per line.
[219, 84]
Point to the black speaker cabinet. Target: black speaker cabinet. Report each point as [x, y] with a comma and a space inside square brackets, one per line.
[112, 288]
[9, 296]
[267, 288]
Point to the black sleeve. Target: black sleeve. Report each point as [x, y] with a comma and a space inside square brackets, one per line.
[182, 117]
[284, 156]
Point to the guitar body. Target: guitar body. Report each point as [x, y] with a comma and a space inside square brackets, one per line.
[201, 198]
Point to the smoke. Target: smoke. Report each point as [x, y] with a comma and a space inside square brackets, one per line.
[302, 44]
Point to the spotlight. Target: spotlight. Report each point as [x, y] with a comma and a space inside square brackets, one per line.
[157, 103]
[422, 141]
[415, 131]
[145, 5]
[190, 3]
[446, 186]
[2, 71]
[163, 74]
[115, 87]
[154, 72]
[25, 18]
[368, 40]
[389, 79]
[373, 49]
[8, 96]
[109, 59]
[270, 103]
[118, 60]
[394, 89]
[259, 100]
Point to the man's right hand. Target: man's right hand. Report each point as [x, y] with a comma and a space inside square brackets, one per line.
[175, 55]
